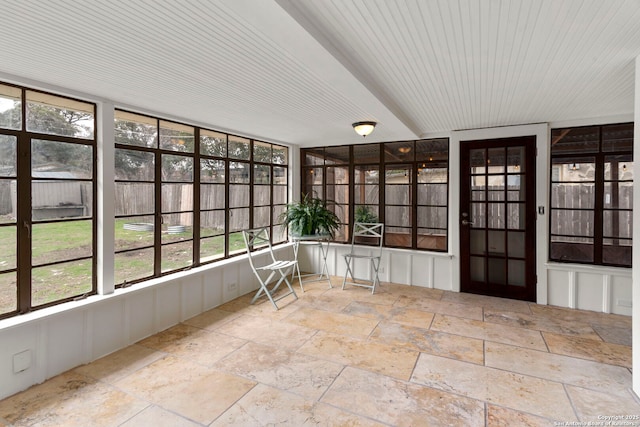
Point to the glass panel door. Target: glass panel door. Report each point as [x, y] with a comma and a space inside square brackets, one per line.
[497, 223]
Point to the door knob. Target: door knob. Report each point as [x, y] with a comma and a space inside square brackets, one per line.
[465, 222]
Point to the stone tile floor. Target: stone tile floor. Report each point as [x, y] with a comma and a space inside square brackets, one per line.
[406, 356]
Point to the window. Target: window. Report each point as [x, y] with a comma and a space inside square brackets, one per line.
[337, 187]
[180, 204]
[432, 164]
[403, 184]
[213, 172]
[280, 186]
[136, 139]
[239, 191]
[592, 194]
[47, 199]
[182, 196]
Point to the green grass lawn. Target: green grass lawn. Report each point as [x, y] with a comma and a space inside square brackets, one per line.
[57, 242]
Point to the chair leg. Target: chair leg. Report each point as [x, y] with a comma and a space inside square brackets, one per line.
[376, 279]
[264, 288]
[348, 272]
[284, 275]
[293, 272]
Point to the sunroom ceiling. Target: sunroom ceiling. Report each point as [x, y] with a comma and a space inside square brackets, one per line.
[301, 71]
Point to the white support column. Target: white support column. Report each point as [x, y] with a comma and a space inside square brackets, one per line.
[635, 271]
[106, 197]
[294, 173]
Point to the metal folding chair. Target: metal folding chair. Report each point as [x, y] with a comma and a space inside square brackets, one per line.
[259, 238]
[371, 234]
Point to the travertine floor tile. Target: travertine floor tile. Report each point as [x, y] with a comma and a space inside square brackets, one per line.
[591, 405]
[583, 316]
[266, 406]
[191, 390]
[374, 395]
[368, 310]
[200, 345]
[206, 347]
[603, 352]
[520, 392]
[614, 334]
[415, 292]
[298, 373]
[541, 323]
[350, 358]
[268, 331]
[171, 338]
[389, 360]
[505, 417]
[411, 317]
[488, 331]
[70, 399]
[332, 322]
[158, 417]
[490, 303]
[433, 342]
[311, 288]
[569, 370]
[211, 319]
[382, 296]
[118, 365]
[333, 301]
[443, 307]
[404, 315]
[262, 307]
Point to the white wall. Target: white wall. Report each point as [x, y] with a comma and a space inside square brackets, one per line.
[59, 338]
[636, 237]
[603, 289]
[416, 268]
[541, 132]
[62, 337]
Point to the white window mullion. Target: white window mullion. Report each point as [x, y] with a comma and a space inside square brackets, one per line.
[106, 197]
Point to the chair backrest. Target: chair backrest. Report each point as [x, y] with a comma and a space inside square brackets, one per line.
[257, 238]
[371, 232]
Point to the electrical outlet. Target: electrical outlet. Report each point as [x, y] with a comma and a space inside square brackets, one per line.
[381, 269]
[624, 303]
[232, 286]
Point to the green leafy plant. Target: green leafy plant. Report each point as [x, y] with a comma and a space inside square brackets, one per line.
[310, 216]
[364, 214]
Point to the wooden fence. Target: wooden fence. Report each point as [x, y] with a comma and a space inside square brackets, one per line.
[135, 198]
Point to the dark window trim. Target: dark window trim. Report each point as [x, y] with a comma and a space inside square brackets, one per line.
[415, 164]
[197, 156]
[598, 208]
[24, 219]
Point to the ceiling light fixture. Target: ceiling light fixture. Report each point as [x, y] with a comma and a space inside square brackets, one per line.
[364, 128]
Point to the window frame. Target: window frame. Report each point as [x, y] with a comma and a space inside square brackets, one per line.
[24, 179]
[578, 157]
[233, 153]
[317, 160]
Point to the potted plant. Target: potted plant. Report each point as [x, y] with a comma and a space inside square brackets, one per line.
[310, 217]
[364, 214]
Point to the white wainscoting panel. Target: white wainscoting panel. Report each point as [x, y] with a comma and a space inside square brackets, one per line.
[140, 311]
[621, 295]
[168, 305]
[107, 327]
[65, 342]
[602, 289]
[589, 287]
[192, 301]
